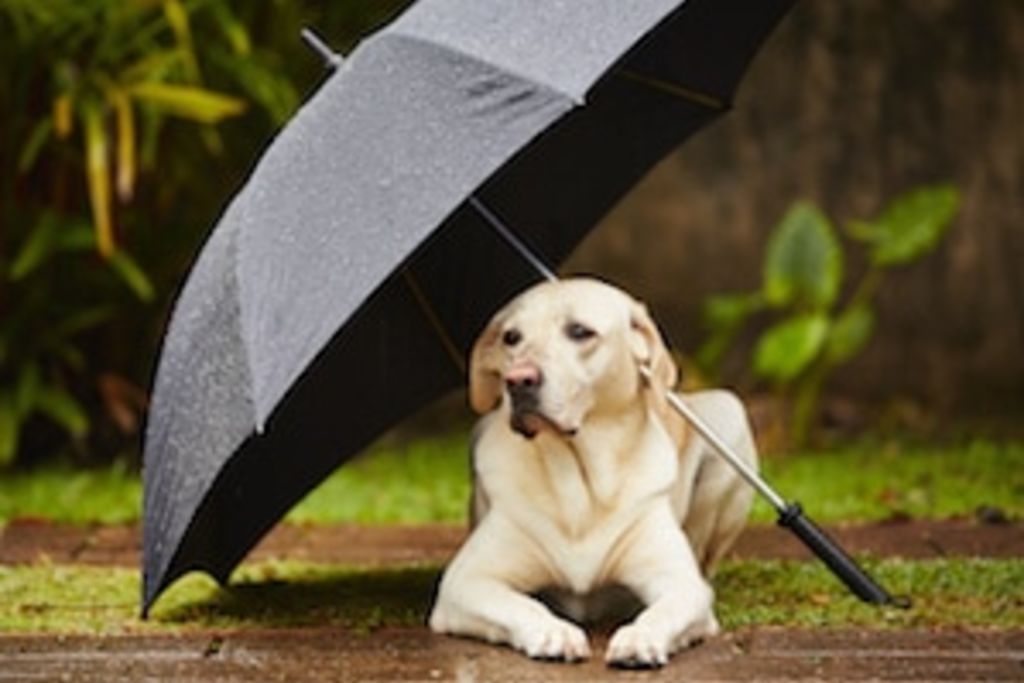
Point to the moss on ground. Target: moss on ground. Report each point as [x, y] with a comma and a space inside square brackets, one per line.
[74, 599]
[427, 481]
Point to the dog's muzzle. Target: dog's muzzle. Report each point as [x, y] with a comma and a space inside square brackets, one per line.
[523, 383]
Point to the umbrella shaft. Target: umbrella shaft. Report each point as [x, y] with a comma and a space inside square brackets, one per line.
[742, 468]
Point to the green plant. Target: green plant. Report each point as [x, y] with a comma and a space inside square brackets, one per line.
[125, 126]
[813, 331]
[91, 95]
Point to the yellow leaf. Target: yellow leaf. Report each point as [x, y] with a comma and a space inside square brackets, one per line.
[189, 102]
[63, 122]
[98, 177]
[125, 144]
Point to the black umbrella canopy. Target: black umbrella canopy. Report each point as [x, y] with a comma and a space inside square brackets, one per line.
[347, 280]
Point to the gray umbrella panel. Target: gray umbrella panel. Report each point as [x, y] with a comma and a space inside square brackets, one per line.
[381, 163]
[279, 322]
[477, 82]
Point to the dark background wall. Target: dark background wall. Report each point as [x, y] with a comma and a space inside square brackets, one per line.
[849, 104]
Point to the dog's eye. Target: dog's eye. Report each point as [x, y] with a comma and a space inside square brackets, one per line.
[511, 337]
[579, 332]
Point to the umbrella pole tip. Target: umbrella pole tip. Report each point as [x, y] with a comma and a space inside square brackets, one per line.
[317, 44]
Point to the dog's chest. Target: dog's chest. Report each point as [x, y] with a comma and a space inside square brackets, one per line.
[577, 504]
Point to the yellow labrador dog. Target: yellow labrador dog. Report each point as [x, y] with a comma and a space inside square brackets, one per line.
[584, 480]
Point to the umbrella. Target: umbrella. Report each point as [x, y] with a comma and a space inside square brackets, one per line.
[344, 284]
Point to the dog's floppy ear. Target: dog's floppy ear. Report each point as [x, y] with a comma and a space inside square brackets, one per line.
[484, 374]
[649, 348]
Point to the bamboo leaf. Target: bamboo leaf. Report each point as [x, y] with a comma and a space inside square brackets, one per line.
[10, 429]
[153, 67]
[177, 18]
[132, 275]
[36, 248]
[261, 83]
[36, 139]
[61, 407]
[98, 177]
[83, 321]
[197, 104]
[74, 236]
[63, 121]
[125, 116]
[28, 390]
[234, 30]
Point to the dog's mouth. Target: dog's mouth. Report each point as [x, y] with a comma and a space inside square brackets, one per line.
[530, 422]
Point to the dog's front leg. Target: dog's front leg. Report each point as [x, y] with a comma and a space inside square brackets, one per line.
[484, 598]
[659, 567]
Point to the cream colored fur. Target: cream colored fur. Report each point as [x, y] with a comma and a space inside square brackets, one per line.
[613, 489]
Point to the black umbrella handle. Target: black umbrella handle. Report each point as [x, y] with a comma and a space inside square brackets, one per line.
[841, 564]
[791, 515]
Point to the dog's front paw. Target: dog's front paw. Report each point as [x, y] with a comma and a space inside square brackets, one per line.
[637, 647]
[556, 641]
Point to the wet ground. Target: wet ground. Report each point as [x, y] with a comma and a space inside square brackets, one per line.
[417, 655]
[27, 541]
[414, 654]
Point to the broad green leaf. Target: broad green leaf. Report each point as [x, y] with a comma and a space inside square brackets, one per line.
[848, 334]
[789, 347]
[804, 261]
[132, 275]
[61, 407]
[729, 310]
[36, 248]
[910, 226]
[723, 317]
[10, 429]
[188, 102]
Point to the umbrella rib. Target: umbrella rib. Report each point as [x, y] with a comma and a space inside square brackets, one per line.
[696, 96]
[435, 321]
[510, 237]
[332, 60]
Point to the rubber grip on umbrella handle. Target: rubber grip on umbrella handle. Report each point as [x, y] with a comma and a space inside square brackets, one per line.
[841, 564]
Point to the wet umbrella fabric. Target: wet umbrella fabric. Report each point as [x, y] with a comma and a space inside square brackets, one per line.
[345, 283]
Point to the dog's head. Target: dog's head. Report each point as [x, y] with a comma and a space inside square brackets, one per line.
[563, 351]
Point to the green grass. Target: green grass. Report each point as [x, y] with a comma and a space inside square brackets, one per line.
[61, 493]
[73, 599]
[422, 481]
[870, 483]
[427, 481]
